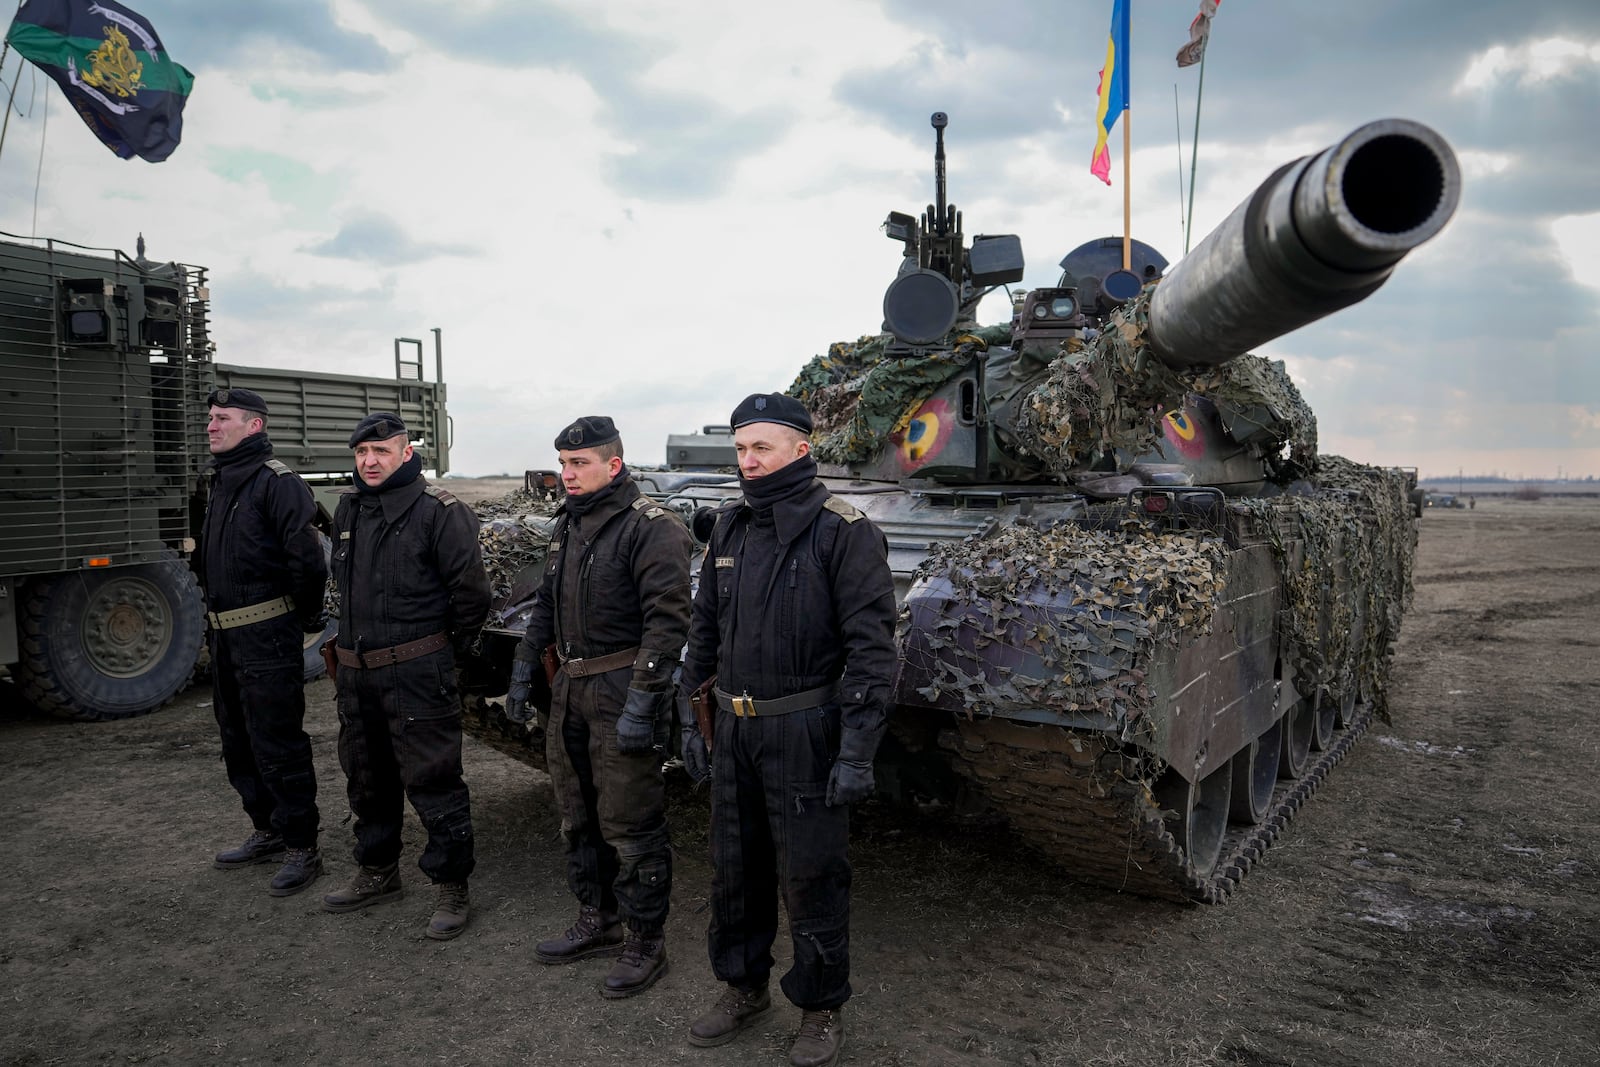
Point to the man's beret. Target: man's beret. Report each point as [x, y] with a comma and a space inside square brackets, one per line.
[379, 426]
[772, 407]
[244, 399]
[591, 431]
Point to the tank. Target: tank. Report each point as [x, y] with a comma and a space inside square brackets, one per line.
[1142, 617]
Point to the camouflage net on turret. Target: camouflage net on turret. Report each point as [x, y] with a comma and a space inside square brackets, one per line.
[1087, 607]
[857, 398]
[1358, 523]
[1112, 397]
[514, 534]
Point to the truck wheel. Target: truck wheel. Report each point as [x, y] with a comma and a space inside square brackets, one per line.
[110, 644]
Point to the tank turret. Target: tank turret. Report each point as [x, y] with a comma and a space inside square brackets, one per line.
[1008, 403]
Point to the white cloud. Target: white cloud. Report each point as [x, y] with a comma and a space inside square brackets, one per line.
[1527, 64]
[1578, 238]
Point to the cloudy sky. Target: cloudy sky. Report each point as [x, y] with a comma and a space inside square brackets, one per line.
[650, 208]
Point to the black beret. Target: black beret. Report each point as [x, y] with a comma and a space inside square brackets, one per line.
[772, 407]
[591, 431]
[244, 399]
[379, 426]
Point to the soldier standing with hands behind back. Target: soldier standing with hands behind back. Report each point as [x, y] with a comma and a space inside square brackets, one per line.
[615, 604]
[265, 575]
[413, 595]
[794, 618]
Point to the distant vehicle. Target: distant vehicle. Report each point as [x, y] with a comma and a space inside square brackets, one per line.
[105, 365]
[1442, 500]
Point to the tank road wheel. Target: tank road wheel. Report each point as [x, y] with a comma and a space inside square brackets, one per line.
[1255, 773]
[1297, 725]
[1200, 813]
[1327, 719]
[110, 644]
[1347, 708]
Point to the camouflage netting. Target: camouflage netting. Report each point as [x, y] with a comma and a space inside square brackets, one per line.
[857, 398]
[1069, 619]
[1358, 524]
[1113, 397]
[1077, 613]
[514, 535]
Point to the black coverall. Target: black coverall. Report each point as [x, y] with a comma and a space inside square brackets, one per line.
[617, 578]
[408, 565]
[257, 544]
[791, 598]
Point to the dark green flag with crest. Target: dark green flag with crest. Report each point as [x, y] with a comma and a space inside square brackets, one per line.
[113, 68]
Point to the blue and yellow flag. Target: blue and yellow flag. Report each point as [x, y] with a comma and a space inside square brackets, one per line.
[113, 68]
[1113, 90]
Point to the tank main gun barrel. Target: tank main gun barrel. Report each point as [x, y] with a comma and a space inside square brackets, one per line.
[1320, 234]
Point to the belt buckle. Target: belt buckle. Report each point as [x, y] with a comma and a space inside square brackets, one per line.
[744, 707]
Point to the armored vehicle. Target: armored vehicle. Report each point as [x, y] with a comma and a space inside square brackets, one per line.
[1142, 616]
[105, 364]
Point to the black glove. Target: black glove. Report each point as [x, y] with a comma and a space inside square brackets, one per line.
[636, 729]
[850, 781]
[517, 709]
[696, 757]
[314, 623]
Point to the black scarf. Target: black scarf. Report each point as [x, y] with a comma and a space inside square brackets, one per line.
[584, 503]
[250, 448]
[786, 481]
[404, 475]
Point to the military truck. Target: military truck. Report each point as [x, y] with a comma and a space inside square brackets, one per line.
[105, 364]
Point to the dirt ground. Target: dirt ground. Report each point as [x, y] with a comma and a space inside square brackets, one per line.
[1435, 903]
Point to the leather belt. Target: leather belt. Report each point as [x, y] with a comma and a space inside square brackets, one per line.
[581, 668]
[383, 657]
[267, 609]
[747, 706]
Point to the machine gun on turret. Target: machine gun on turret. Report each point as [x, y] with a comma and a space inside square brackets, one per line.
[941, 281]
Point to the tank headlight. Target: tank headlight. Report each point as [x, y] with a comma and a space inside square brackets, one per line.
[1041, 311]
[1063, 307]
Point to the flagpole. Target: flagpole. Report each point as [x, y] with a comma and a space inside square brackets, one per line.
[5, 125]
[1127, 146]
[1194, 149]
[1127, 197]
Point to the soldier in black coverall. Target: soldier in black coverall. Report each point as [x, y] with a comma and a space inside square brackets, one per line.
[615, 604]
[264, 574]
[794, 616]
[412, 595]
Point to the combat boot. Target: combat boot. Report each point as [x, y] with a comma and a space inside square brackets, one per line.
[641, 965]
[820, 1040]
[371, 885]
[596, 933]
[450, 914]
[262, 846]
[735, 1010]
[301, 867]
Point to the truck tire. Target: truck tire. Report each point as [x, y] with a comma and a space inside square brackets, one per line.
[110, 644]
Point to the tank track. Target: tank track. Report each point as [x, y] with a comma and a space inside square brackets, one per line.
[486, 721]
[1081, 798]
